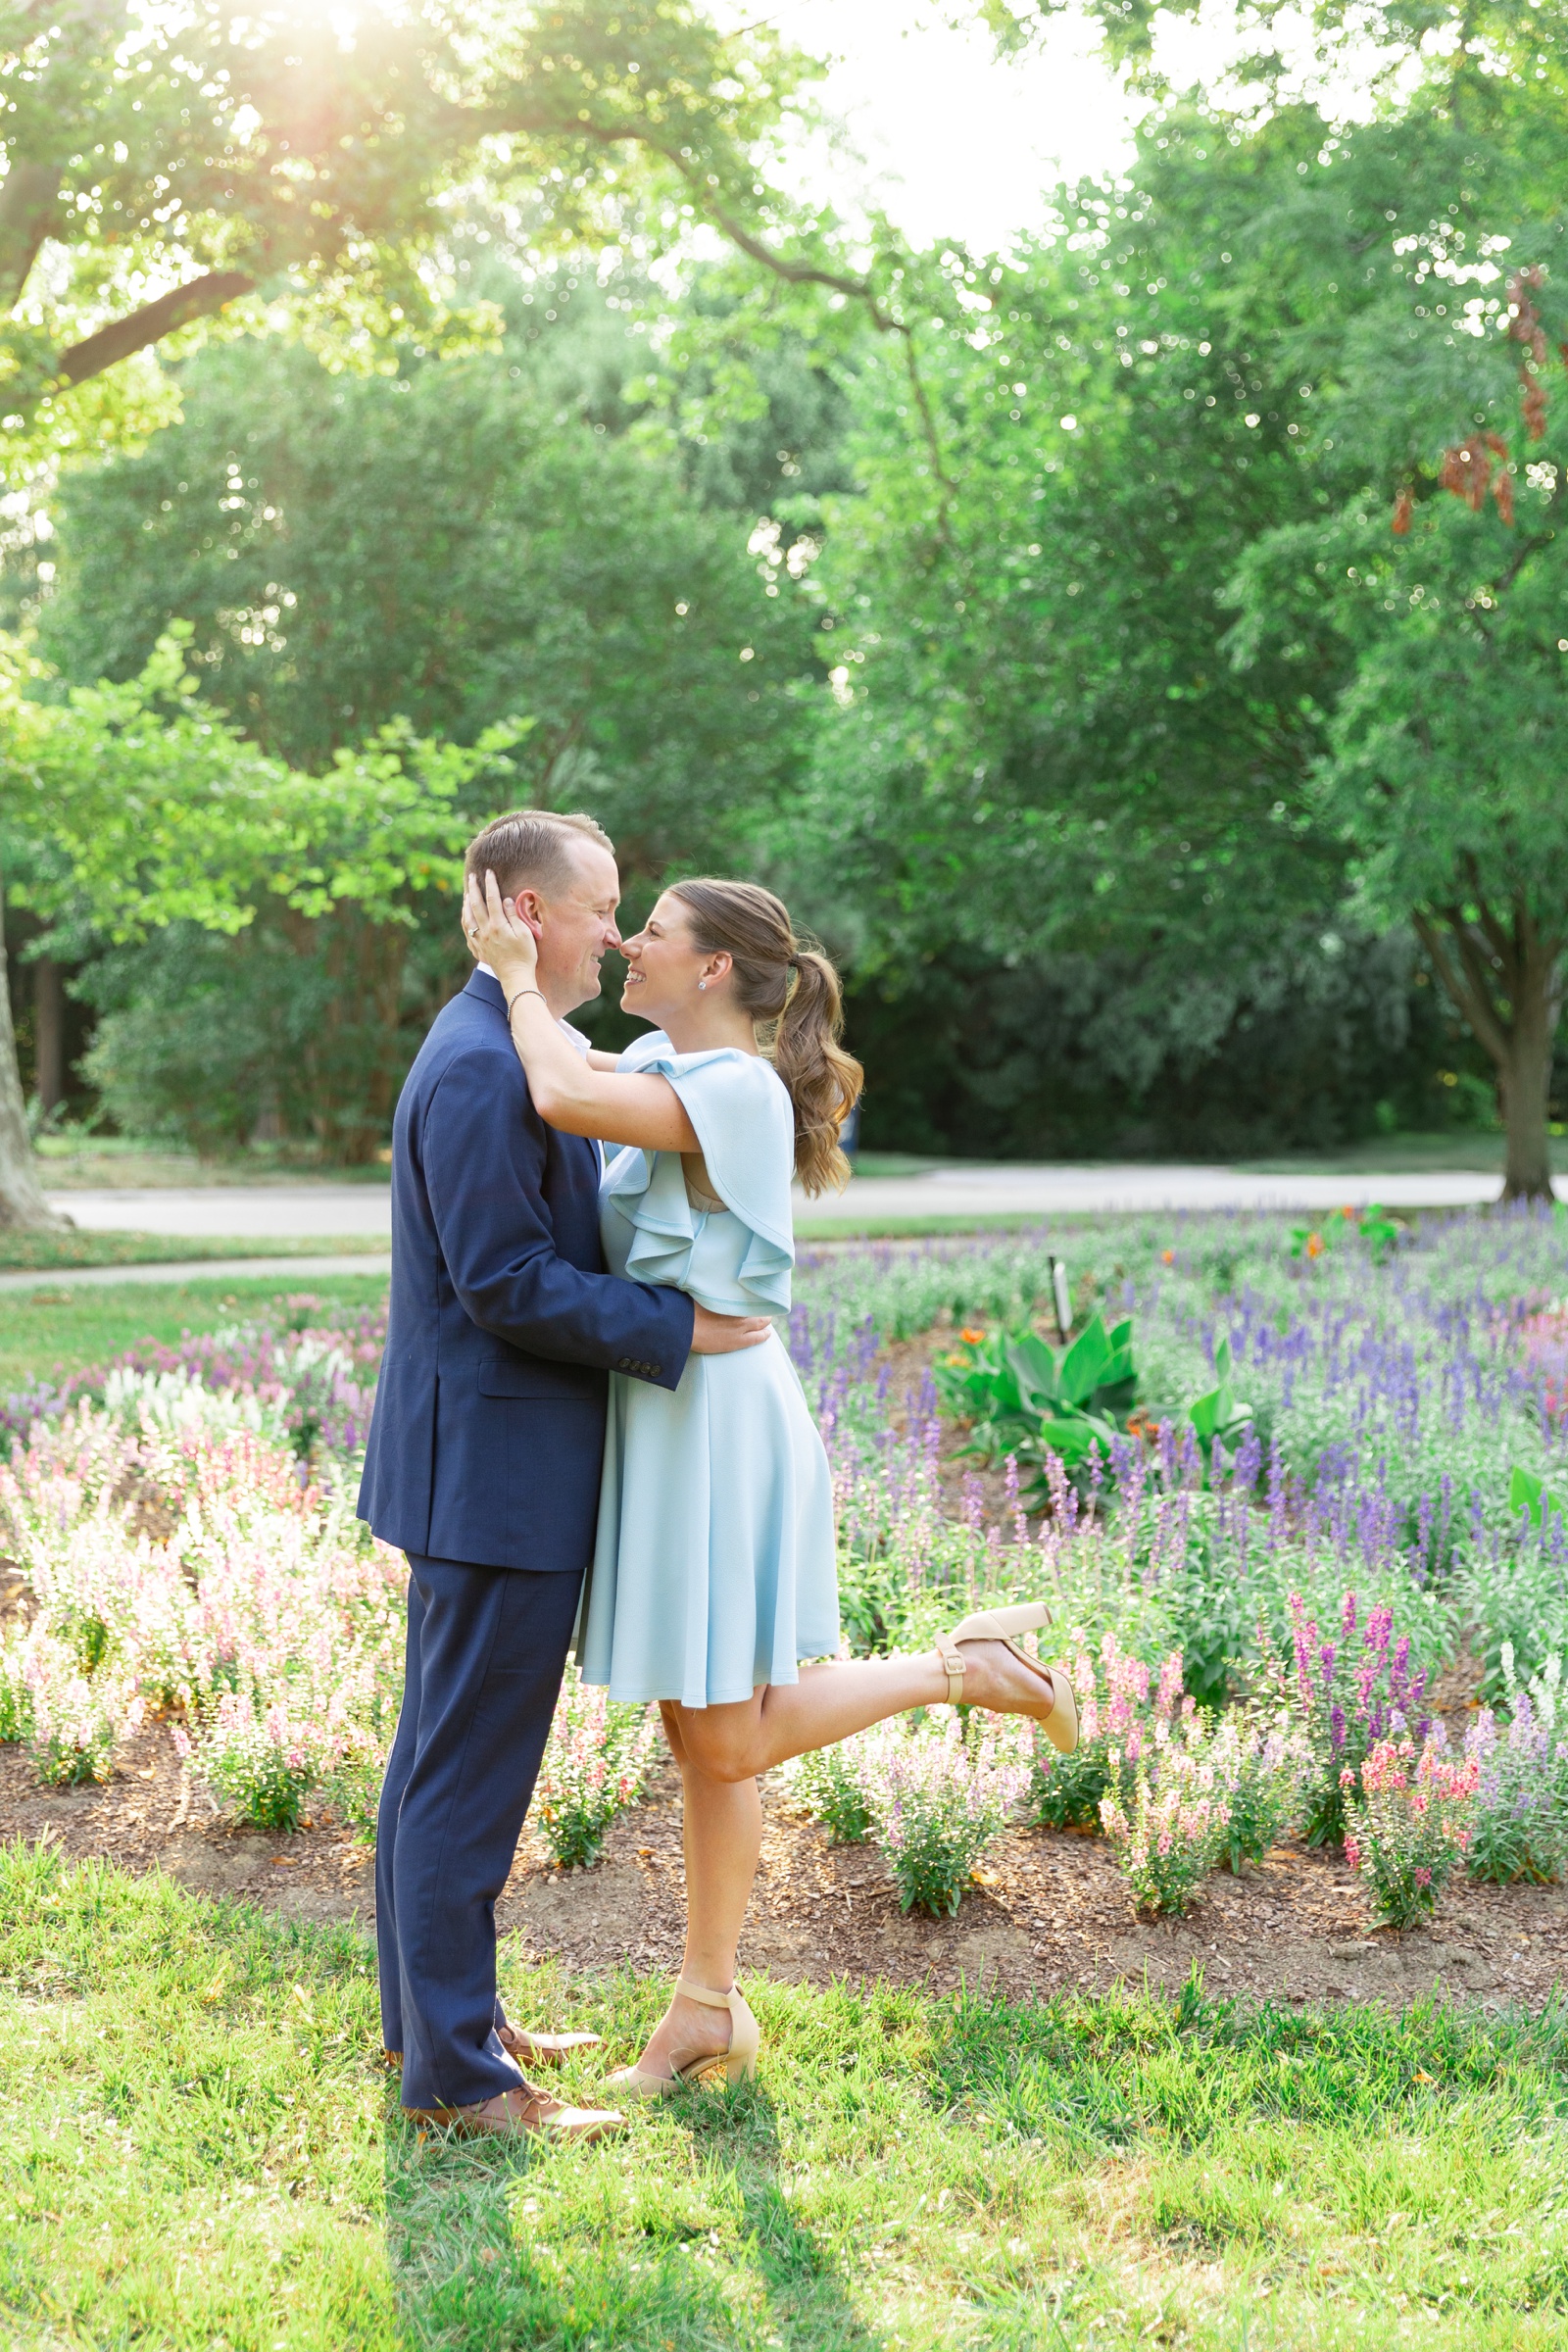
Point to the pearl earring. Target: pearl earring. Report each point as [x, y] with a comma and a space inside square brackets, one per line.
[701, 983]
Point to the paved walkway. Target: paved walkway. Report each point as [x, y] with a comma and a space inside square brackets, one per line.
[196, 1212]
[1058, 1190]
[281, 1210]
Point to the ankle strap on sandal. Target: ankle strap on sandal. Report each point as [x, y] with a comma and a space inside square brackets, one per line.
[951, 1659]
[702, 1992]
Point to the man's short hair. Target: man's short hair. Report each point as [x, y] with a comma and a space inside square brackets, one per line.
[531, 850]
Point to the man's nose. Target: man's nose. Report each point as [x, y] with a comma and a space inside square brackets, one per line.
[612, 936]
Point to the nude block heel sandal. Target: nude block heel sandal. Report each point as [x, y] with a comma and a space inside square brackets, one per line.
[745, 2040]
[1004, 1625]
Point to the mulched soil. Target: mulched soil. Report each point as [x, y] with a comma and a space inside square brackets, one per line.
[1051, 1908]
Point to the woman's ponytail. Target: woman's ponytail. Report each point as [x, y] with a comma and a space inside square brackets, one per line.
[790, 987]
[824, 1081]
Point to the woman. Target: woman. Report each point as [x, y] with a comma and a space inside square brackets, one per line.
[714, 1575]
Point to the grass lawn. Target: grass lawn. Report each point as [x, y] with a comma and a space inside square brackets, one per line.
[198, 2149]
[77, 1160]
[49, 1253]
[45, 1331]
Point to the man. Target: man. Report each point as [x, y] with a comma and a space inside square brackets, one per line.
[483, 1467]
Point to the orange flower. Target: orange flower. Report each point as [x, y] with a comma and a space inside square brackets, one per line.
[1168, 1257]
[1349, 1212]
[1314, 1245]
[971, 1338]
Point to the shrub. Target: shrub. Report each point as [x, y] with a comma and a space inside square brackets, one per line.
[940, 1799]
[1344, 1700]
[72, 1720]
[1166, 1820]
[1410, 1823]
[1261, 1769]
[1520, 1829]
[258, 1609]
[594, 1766]
[1116, 1708]
[829, 1784]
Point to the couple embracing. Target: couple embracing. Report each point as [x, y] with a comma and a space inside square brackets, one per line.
[586, 1423]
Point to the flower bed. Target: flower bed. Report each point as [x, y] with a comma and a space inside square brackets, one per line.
[1253, 1605]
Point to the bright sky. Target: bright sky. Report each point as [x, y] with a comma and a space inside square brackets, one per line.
[959, 145]
[953, 142]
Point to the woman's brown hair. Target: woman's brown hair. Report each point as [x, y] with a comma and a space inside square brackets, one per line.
[788, 984]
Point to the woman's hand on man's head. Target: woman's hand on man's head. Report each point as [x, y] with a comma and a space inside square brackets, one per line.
[497, 935]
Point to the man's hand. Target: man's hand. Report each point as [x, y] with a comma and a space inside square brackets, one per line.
[721, 1334]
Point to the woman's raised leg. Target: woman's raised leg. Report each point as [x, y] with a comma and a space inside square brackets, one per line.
[781, 1720]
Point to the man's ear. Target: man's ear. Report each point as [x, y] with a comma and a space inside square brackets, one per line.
[530, 907]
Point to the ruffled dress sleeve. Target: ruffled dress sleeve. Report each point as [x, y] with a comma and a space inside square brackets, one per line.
[735, 1262]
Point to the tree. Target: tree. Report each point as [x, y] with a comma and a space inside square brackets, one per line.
[1041, 749]
[171, 163]
[1447, 749]
[447, 547]
[159, 814]
[1429, 593]
[470, 538]
[183, 160]
[1288, 339]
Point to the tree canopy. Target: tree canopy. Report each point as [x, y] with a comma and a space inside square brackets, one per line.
[1148, 634]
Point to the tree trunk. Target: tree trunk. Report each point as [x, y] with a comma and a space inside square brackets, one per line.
[49, 1034]
[1505, 978]
[1524, 1086]
[22, 1200]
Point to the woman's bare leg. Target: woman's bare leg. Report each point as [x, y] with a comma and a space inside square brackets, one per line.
[781, 1720]
[721, 1832]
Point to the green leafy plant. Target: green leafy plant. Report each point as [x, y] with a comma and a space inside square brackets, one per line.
[1166, 1818]
[596, 1763]
[1531, 1496]
[1028, 1400]
[829, 1784]
[1372, 1225]
[1411, 1825]
[1219, 1413]
[940, 1801]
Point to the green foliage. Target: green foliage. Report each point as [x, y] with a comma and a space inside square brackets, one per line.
[444, 547]
[167, 819]
[828, 1784]
[1027, 1401]
[1531, 1495]
[1373, 1225]
[1219, 1416]
[587, 124]
[1213, 388]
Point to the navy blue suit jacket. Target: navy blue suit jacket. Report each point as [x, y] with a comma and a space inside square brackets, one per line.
[489, 1425]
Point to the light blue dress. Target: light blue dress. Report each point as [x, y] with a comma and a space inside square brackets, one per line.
[714, 1568]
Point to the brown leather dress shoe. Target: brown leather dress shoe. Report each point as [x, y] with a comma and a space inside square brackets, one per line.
[512, 2113]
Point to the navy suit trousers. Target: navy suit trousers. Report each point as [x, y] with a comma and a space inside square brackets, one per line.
[486, 1650]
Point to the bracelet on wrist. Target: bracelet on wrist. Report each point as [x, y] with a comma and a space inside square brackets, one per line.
[518, 999]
